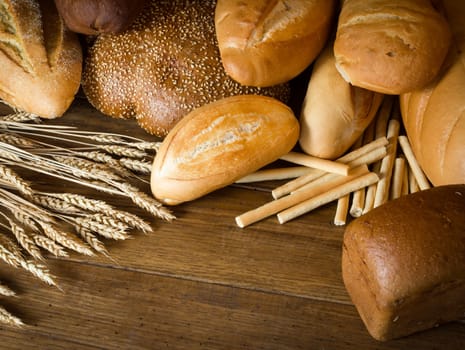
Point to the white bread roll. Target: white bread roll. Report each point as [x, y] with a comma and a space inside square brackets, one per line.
[402, 263]
[390, 47]
[41, 61]
[219, 143]
[264, 43]
[334, 113]
[434, 117]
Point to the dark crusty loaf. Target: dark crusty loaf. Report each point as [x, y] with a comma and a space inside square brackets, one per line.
[41, 61]
[162, 67]
[403, 263]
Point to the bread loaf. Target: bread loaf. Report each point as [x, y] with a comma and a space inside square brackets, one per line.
[403, 262]
[264, 43]
[93, 17]
[434, 117]
[163, 66]
[390, 47]
[41, 61]
[218, 143]
[334, 113]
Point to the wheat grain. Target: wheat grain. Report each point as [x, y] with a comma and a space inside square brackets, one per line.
[8, 319]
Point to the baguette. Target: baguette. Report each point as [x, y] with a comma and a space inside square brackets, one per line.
[41, 60]
[219, 143]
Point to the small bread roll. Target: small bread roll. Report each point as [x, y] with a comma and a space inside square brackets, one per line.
[264, 43]
[334, 113]
[162, 67]
[219, 143]
[93, 17]
[390, 47]
[41, 60]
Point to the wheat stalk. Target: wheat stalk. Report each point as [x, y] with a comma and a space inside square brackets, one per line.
[9, 319]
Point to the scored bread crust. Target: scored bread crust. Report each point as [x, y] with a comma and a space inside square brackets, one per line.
[40, 58]
[434, 117]
[163, 66]
[390, 47]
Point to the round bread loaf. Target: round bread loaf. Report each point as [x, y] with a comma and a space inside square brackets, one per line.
[264, 43]
[390, 47]
[93, 17]
[434, 117]
[163, 66]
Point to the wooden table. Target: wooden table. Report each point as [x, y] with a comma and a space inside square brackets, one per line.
[201, 282]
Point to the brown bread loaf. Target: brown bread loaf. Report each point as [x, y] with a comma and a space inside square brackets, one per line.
[163, 66]
[403, 262]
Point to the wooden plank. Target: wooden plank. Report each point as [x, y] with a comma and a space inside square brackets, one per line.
[107, 308]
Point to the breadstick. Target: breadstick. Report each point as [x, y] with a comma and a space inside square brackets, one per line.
[275, 174]
[387, 164]
[317, 163]
[397, 178]
[285, 202]
[327, 197]
[341, 210]
[422, 181]
[371, 148]
[358, 201]
[412, 182]
[405, 184]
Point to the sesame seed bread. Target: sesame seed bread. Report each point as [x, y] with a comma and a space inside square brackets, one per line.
[434, 116]
[93, 17]
[391, 47]
[162, 67]
[41, 61]
[264, 43]
[403, 262]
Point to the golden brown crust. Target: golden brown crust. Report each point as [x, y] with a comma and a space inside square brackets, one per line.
[264, 43]
[166, 64]
[434, 117]
[220, 142]
[402, 262]
[42, 59]
[391, 47]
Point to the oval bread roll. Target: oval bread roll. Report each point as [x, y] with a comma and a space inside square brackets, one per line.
[434, 117]
[334, 113]
[390, 47]
[264, 43]
[163, 66]
[216, 144]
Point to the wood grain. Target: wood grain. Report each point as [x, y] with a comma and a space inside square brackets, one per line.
[201, 282]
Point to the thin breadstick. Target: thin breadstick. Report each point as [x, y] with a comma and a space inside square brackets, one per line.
[422, 181]
[327, 197]
[370, 148]
[275, 174]
[342, 209]
[405, 185]
[358, 201]
[412, 182]
[397, 178]
[317, 163]
[285, 202]
[387, 164]
[370, 193]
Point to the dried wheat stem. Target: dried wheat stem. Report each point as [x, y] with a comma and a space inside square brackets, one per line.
[8, 319]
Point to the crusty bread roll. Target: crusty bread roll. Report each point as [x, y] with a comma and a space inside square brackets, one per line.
[219, 143]
[434, 117]
[93, 17]
[163, 66]
[334, 113]
[390, 47]
[264, 43]
[41, 61]
[403, 262]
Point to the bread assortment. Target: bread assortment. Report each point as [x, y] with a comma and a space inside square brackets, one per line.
[41, 60]
[434, 116]
[162, 67]
[402, 263]
[93, 17]
[256, 37]
[226, 141]
[334, 113]
[390, 47]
